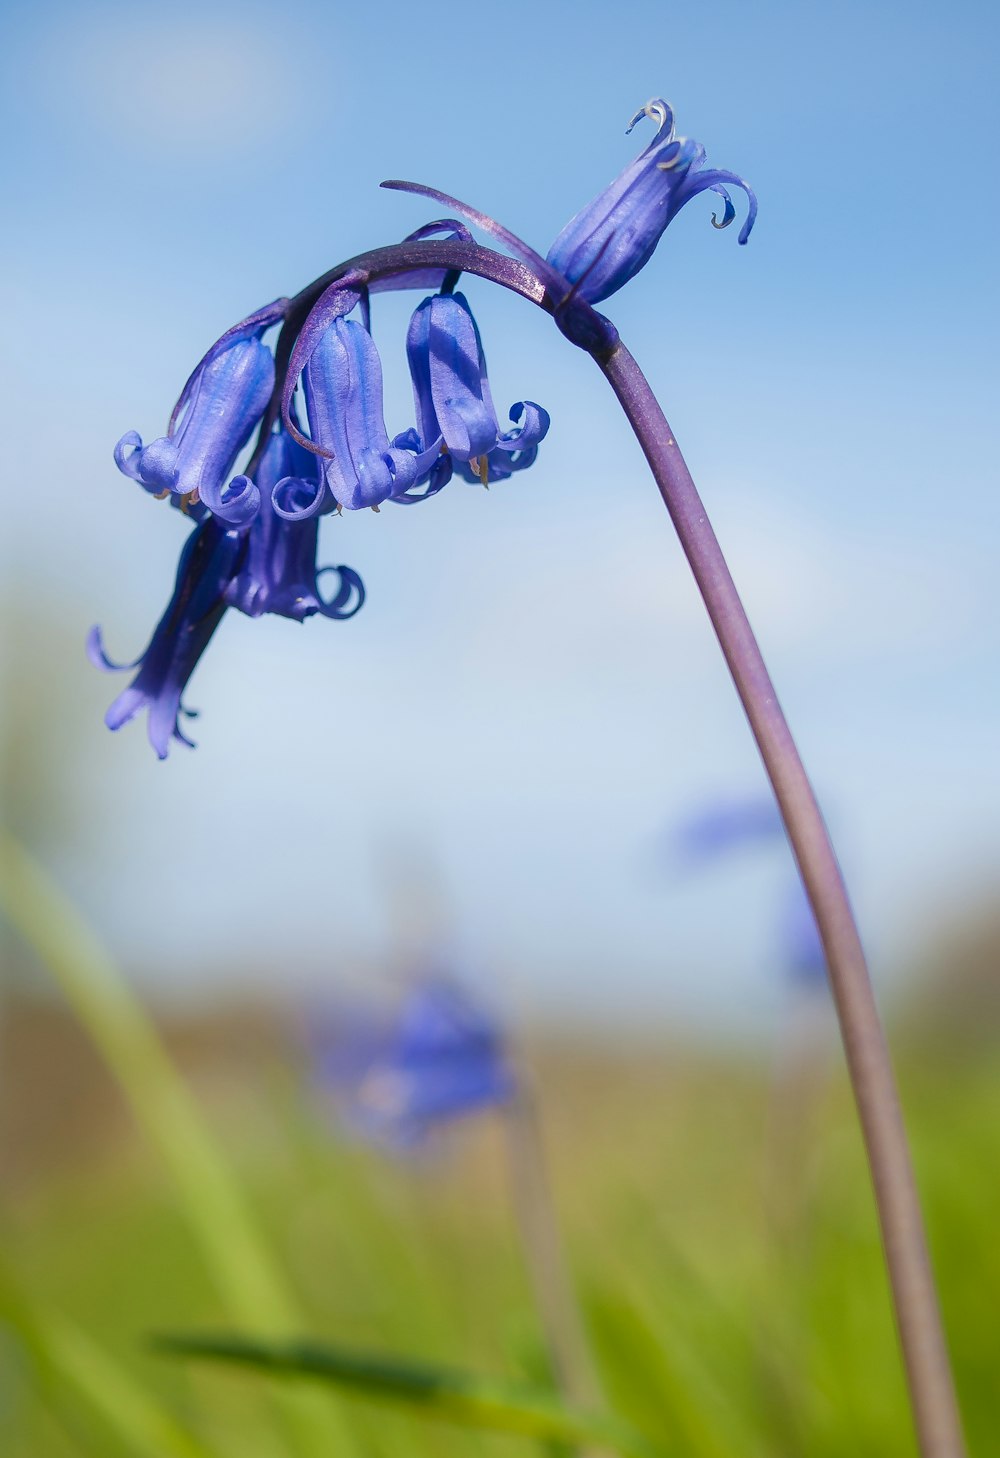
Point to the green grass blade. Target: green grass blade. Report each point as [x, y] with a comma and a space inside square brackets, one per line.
[81, 1369]
[248, 1282]
[118, 1401]
[432, 1392]
[644, 1383]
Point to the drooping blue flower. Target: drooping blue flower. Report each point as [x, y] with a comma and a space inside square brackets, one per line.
[440, 1059]
[194, 612]
[342, 380]
[614, 236]
[222, 404]
[728, 826]
[266, 566]
[452, 395]
[799, 939]
[725, 825]
[277, 571]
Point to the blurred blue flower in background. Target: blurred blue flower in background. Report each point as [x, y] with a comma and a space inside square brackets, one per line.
[798, 937]
[727, 826]
[724, 826]
[439, 1058]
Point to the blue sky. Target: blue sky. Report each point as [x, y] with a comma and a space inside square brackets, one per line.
[531, 693]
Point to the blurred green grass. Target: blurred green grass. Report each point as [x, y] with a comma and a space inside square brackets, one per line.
[720, 1230]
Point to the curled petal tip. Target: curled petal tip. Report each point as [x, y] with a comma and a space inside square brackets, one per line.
[295, 499]
[657, 110]
[729, 213]
[127, 452]
[236, 505]
[349, 598]
[751, 217]
[99, 658]
[678, 154]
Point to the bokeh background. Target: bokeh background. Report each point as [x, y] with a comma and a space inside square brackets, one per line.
[494, 755]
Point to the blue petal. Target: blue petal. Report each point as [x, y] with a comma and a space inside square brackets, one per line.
[237, 505]
[295, 499]
[252, 327]
[333, 304]
[127, 453]
[159, 466]
[351, 587]
[205, 569]
[343, 386]
[534, 427]
[222, 409]
[99, 658]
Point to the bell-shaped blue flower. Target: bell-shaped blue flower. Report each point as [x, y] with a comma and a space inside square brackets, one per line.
[222, 404]
[451, 391]
[343, 389]
[277, 572]
[614, 236]
[205, 569]
[441, 1059]
[721, 826]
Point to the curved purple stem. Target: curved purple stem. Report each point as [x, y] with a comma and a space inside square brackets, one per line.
[914, 1297]
[921, 1333]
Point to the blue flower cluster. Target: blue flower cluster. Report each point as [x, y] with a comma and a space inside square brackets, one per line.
[255, 540]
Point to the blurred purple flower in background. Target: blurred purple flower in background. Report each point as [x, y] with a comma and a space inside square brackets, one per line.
[725, 827]
[438, 1058]
[798, 936]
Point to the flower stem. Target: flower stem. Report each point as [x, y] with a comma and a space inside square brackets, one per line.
[914, 1297]
[562, 1322]
[918, 1317]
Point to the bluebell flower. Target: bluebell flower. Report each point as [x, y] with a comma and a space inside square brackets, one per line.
[441, 1059]
[266, 566]
[726, 825]
[452, 395]
[614, 236]
[222, 404]
[194, 612]
[342, 380]
[277, 572]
